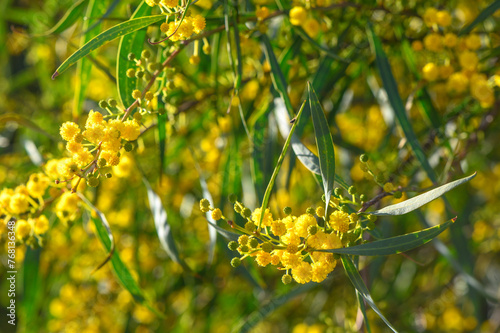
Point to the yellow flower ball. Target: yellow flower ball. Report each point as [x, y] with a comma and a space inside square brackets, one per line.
[450, 40]
[468, 60]
[430, 72]
[443, 18]
[311, 27]
[430, 16]
[298, 15]
[433, 42]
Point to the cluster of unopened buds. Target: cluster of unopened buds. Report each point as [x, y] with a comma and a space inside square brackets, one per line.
[294, 244]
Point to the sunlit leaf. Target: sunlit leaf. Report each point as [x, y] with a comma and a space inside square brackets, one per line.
[360, 286]
[324, 143]
[395, 245]
[118, 30]
[420, 200]
[487, 12]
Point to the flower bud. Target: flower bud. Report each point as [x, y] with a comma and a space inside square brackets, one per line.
[233, 246]
[312, 230]
[352, 190]
[267, 247]
[92, 181]
[286, 279]
[310, 211]
[216, 214]
[246, 213]
[398, 194]
[253, 243]
[364, 158]
[287, 210]
[235, 262]
[250, 226]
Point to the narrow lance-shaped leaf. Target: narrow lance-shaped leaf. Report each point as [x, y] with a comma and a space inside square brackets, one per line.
[269, 188]
[360, 286]
[420, 200]
[103, 232]
[118, 30]
[94, 9]
[131, 43]
[325, 145]
[161, 223]
[395, 245]
[212, 231]
[277, 76]
[69, 18]
[487, 12]
[305, 156]
[396, 102]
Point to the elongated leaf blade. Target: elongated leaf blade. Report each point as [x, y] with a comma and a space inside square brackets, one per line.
[420, 200]
[118, 30]
[396, 102]
[103, 232]
[131, 43]
[69, 18]
[212, 231]
[265, 310]
[353, 275]
[95, 9]
[487, 12]
[305, 156]
[395, 245]
[277, 76]
[325, 145]
[281, 158]
[161, 224]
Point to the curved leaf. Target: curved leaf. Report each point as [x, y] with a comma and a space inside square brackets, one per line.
[84, 67]
[360, 286]
[118, 30]
[395, 245]
[131, 43]
[398, 108]
[325, 145]
[270, 185]
[71, 16]
[161, 223]
[103, 232]
[487, 12]
[305, 156]
[420, 200]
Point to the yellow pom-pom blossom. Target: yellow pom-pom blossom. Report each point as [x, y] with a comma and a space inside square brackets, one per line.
[18, 203]
[37, 184]
[339, 221]
[23, 229]
[430, 16]
[430, 72]
[417, 46]
[433, 42]
[473, 42]
[68, 130]
[450, 40]
[303, 223]
[298, 15]
[302, 273]
[41, 225]
[481, 91]
[198, 23]
[131, 130]
[267, 219]
[468, 60]
[311, 27]
[261, 13]
[457, 83]
[443, 18]
[170, 3]
[67, 206]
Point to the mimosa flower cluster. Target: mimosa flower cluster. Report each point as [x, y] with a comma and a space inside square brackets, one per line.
[98, 145]
[293, 243]
[452, 62]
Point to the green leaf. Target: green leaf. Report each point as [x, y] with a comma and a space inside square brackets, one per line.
[487, 12]
[395, 245]
[212, 231]
[391, 88]
[360, 286]
[324, 143]
[23, 121]
[362, 308]
[161, 224]
[420, 200]
[162, 139]
[277, 76]
[94, 9]
[103, 232]
[305, 156]
[118, 30]
[69, 18]
[269, 307]
[32, 287]
[131, 43]
[270, 185]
